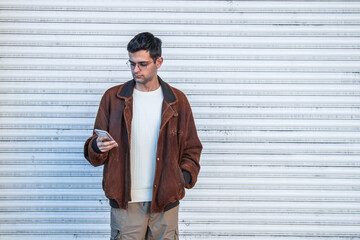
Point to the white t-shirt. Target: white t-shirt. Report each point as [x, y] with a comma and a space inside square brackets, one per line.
[145, 128]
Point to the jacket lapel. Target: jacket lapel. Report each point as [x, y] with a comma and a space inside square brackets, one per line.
[126, 93]
[167, 112]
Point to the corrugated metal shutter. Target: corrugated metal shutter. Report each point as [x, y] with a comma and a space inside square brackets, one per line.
[274, 87]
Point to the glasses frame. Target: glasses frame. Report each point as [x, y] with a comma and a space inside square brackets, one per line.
[141, 65]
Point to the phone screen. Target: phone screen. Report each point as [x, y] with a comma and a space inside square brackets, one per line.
[102, 133]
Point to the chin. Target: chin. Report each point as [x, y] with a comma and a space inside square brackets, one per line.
[138, 80]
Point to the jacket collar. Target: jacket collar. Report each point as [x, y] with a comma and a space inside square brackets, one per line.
[127, 90]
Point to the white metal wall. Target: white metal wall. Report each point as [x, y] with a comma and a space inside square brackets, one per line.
[274, 87]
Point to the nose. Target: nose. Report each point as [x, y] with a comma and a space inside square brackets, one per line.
[137, 68]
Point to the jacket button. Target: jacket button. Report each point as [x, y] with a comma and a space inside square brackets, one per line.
[155, 186]
[157, 159]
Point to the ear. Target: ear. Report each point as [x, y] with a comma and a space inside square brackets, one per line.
[159, 62]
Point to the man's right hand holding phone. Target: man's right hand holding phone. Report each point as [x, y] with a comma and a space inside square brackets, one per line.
[104, 141]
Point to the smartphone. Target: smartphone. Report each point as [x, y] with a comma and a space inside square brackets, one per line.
[102, 133]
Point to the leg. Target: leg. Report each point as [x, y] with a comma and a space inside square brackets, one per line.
[164, 226]
[130, 223]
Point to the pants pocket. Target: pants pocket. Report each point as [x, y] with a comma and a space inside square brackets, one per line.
[176, 237]
[115, 235]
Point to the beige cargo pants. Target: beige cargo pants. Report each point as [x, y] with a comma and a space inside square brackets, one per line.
[138, 223]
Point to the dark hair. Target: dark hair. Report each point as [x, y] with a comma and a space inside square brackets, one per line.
[145, 41]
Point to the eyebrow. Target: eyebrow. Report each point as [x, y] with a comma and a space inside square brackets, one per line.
[139, 62]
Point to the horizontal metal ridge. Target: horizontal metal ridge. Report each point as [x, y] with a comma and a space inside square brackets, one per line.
[75, 29]
[201, 18]
[182, 6]
[118, 43]
[201, 54]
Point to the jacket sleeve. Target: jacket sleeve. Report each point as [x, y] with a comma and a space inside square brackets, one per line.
[93, 155]
[192, 147]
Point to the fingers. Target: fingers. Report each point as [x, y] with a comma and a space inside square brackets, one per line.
[102, 139]
[104, 145]
[107, 146]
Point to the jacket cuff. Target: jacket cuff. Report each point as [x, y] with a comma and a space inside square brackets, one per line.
[187, 177]
[95, 147]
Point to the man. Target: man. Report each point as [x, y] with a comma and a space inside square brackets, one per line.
[155, 153]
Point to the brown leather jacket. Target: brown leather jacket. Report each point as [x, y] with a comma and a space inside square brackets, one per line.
[178, 148]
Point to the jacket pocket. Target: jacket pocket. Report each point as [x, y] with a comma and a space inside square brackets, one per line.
[181, 184]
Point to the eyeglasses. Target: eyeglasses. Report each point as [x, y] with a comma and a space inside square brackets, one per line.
[141, 65]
